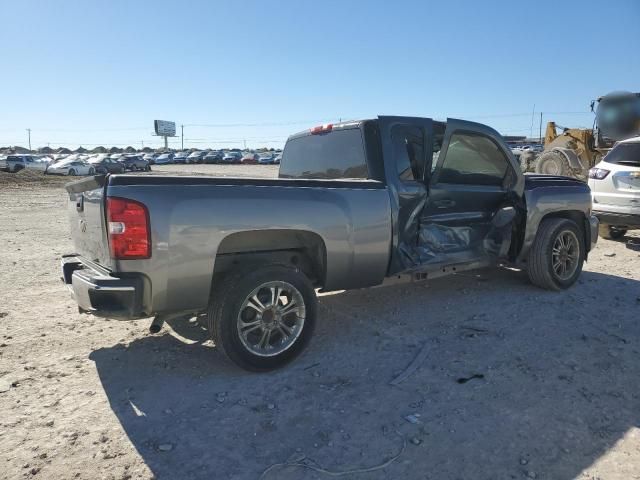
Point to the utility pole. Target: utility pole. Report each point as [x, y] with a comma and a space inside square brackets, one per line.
[182, 136]
[29, 133]
[245, 144]
[142, 143]
[540, 137]
[532, 114]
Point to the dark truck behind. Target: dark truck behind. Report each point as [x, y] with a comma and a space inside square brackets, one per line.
[355, 204]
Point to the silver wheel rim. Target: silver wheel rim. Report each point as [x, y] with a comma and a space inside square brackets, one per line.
[565, 255]
[271, 318]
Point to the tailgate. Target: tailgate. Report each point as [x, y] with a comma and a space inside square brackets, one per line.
[87, 219]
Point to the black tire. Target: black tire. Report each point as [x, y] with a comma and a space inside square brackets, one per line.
[527, 161]
[611, 233]
[540, 265]
[553, 163]
[147, 168]
[225, 308]
[72, 173]
[92, 171]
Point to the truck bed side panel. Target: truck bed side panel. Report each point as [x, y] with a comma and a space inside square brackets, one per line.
[546, 194]
[189, 222]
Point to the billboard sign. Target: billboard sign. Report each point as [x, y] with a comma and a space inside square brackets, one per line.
[164, 128]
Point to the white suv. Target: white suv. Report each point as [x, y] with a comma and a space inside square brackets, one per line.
[615, 188]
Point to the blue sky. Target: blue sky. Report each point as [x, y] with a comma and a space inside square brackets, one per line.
[99, 72]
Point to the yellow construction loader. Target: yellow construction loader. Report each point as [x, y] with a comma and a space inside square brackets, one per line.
[573, 151]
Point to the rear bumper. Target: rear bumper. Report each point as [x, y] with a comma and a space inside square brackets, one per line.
[97, 291]
[619, 219]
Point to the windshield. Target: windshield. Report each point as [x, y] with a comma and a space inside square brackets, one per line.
[619, 118]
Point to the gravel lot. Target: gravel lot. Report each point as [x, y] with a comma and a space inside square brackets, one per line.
[514, 382]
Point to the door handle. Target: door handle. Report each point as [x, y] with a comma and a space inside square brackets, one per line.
[447, 203]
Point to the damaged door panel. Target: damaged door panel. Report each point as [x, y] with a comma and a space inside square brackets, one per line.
[470, 209]
[409, 138]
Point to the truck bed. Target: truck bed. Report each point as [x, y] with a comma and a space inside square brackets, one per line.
[194, 218]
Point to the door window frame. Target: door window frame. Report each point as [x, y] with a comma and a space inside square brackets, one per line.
[444, 151]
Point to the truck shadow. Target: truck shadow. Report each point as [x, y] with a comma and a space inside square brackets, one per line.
[513, 382]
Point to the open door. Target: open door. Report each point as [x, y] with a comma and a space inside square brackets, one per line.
[473, 190]
[405, 147]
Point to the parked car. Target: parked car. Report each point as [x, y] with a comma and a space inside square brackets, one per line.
[213, 157]
[71, 167]
[164, 159]
[363, 204]
[116, 156]
[150, 158]
[615, 187]
[249, 159]
[15, 163]
[277, 159]
[135, 163]
[266, 159]
[196, 157]
[105, 164]
[231, 157]
[180, 157]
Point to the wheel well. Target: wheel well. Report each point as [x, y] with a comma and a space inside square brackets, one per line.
[580, 219]
[297, 248]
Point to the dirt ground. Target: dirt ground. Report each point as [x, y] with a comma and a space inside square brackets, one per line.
[514, 382]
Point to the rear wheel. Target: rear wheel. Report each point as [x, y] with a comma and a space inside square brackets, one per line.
[612, 233]
[557, 254]
[553, 163]
[263, 318]
[92, 171]
[147, 168]
[72, 172]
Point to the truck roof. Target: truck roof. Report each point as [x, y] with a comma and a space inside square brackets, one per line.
[330, 127]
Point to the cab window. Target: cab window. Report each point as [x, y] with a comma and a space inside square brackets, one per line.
[474, 159]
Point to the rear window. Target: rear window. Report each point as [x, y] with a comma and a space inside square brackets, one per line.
[624, 154]
[337, 154]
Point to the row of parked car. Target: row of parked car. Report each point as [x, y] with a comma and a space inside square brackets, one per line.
[91, 164]
[215, 156]
[75, 164]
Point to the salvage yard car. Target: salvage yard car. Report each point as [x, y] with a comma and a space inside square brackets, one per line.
[15, 163]
[615, 187]
[105, 164]
[134, 163]
[70, 167]
[356, 204]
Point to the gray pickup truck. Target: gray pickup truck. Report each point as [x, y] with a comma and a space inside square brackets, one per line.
[356, 205]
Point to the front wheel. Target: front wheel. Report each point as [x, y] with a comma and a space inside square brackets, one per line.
[72, 173]
[263, 318]
[557, 254]
[553, 163]
[92, 171]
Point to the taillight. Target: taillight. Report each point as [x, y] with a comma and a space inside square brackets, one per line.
[128, 227]
[322, 129]
[598, 173]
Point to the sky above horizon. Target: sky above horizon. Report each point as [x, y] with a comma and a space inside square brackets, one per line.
[88, 72]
